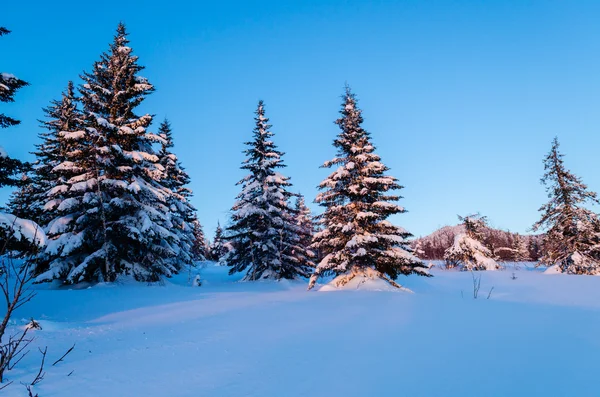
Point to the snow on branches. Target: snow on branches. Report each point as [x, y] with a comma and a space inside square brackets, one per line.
[263, 233]
[468, 251]
[572, 240]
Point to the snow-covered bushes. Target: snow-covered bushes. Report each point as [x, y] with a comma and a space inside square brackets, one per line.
[467, 251]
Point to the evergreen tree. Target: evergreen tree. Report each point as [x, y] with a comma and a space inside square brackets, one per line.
[219, 247]
[572, 240]
[534, 248]
[39, 197]
[304, 234]
[520, 250]
[357, 238]
[21, 200]
[114, 218]
[183, 214]
[262, 230]
[199, 246]
[10, 169]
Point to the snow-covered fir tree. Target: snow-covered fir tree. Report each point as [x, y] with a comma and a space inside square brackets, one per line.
[468, 251]
[183, 214]
[572, 240]
[262, 230]
[219, 247]
[534, 248]
[21, 200]
[520, 250]
[199, 247]
[305, 232]
[113, 215]
[38, 197]
[358, 197]
[10, 169]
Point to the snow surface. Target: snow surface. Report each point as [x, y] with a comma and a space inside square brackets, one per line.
[536, 335]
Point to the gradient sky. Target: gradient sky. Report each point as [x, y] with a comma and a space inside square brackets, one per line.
[462, 98]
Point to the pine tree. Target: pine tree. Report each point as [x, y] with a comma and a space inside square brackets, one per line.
[572, 240]
[10, 169]
[38, 198]
[304, 234]
[357, 238]
[469, 251]
[183, 214]
[199, 249]
[114, 216]
[21, 200]
[534, 248]
[262, 229]
[520, 250]
[219, 247]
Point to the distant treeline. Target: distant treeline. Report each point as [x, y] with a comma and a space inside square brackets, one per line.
[502, 243]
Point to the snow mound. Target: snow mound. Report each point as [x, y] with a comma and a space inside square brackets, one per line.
[23, 229]
[366, 280]
[554, 269]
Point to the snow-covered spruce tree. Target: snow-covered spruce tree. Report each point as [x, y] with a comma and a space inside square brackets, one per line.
[520, 250]
[357, 238]
[572, 240]
[219, 247]
[262, 228]
[199, 247]
[37, 199]
[10, 169]
[183, 214]
[468, 251]
[21, 200]
[115, 216]
[305, 232]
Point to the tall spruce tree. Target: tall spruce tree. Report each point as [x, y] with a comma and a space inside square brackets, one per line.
[10, 169]
[183, 214]
[572, 240]
[263, 230]
[114, 218]
[357, 238]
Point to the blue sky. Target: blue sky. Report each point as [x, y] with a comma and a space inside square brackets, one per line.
[462, 98]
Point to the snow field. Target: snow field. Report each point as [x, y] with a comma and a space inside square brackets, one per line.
[536, 335]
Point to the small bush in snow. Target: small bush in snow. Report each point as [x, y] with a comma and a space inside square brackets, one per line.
[468, 251]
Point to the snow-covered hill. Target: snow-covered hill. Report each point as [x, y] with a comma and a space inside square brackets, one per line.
[536, 335]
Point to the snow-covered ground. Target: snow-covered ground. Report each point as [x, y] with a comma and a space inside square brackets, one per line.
[538, 334]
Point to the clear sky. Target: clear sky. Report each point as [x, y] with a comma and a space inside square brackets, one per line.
[462, 98]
